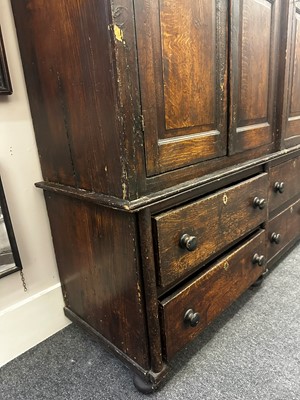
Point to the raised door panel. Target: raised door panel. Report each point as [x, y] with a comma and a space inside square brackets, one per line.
[183, 77]
[254, 44]
[291, 124]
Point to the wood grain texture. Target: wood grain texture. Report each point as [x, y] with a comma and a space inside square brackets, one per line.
[216, 221]
[182, 50]
[189, 175]
[210, 293]
[201, 147]
[133, 108]
[288, 173]
[149, 281]
[287, 225]
[188, 61]
[67, 56]
[295, 84]
[253, 60]
[129, 121]
[256, 22]
[76, 133]
[98, 261]
[291, 106]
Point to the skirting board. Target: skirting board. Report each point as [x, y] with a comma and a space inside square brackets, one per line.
[25, 324]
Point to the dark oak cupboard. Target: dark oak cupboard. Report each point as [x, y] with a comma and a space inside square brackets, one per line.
[169, 138]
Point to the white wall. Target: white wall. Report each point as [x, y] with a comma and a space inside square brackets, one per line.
[25, 318]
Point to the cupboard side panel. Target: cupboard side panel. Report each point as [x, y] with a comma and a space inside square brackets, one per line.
[98, 261]
[68, 59]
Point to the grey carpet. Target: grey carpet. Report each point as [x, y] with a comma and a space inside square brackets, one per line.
[251, 352]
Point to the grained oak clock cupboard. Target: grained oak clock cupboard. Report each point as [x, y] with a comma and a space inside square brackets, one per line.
[169, 139]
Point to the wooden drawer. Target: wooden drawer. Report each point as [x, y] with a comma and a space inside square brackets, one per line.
[283, 229]
[287, 174]
[215, 221]
[210, 293]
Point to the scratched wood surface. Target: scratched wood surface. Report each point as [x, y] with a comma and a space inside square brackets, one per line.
[83, 85]
[67, 59]
[216, 221]
[210, 294]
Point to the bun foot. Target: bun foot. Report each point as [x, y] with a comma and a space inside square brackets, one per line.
[258, 282]
[143, 386]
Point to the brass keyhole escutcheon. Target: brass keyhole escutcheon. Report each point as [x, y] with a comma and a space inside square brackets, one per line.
[225, 199]
[226, 265]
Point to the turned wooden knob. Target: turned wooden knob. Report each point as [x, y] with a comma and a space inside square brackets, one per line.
[192, 318]
[275, 238]
[259, 259]
[259, 203]
[279, 187]
[188, 242]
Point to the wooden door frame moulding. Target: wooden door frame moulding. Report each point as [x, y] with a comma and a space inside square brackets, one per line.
[5, 83]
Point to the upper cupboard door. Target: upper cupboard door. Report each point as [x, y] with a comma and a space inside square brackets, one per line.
[291, 114]
[182, 51]
[253, 66]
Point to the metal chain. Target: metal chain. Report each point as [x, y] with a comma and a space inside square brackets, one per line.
[23, 280]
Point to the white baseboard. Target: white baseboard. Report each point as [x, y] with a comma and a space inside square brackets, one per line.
[25, 324]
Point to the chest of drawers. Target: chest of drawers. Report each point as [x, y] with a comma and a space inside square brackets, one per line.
[196, 304]
[169, 140]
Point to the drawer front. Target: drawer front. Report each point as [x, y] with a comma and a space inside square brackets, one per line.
[210, 225]
[209, 294]
[283, 229]
[284, 182]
